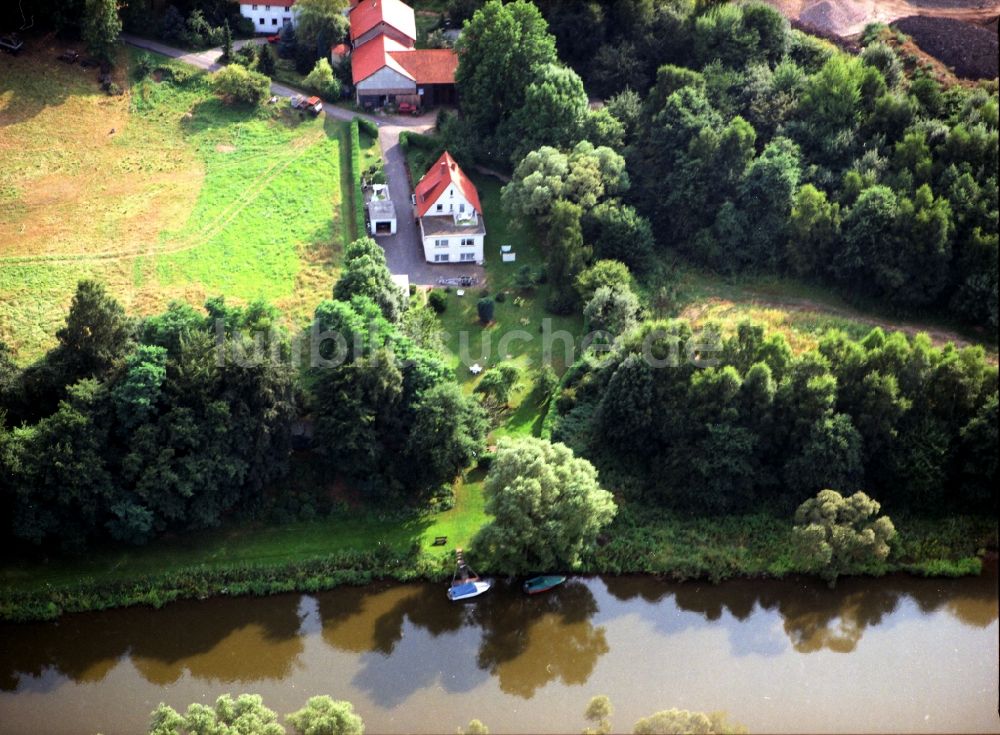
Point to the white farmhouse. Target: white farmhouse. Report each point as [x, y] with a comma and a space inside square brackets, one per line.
[451, 217]
[269, 17]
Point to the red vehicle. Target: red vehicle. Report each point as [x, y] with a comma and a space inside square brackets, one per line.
[273, 39]
[406, 107]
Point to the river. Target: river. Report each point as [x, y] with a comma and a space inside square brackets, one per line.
[872, 655]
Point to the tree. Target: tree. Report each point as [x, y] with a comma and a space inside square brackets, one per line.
[447, 434]
[612, 310]
[485, 307]
[287, 41]
[599, 711]
[618, 232]
[670, 721]
[834, 534]
[366, 273]
[498, 382]
[610, 273]
[324, 716]
[321, 81]
[554, 111]
[246, 715]
[547, 507]
[475, 727]
[100, 28]
[584, 176]
[95, 338]
[500, 52]
[227, 42]
[316, 19]
[265, 60]
[813, 231]
[238, 85]
[565, 255]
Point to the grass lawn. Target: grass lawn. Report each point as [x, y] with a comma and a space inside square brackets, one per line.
[515, 336]
[163, 193]
[265, 545]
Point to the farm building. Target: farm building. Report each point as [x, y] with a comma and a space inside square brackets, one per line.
[385, 66]
[451, 218]
[269, 17]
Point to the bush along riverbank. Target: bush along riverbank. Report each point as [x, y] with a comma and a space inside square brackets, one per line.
[638, 542]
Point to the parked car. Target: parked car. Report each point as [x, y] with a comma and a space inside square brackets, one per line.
[274, 39]
[407, 107]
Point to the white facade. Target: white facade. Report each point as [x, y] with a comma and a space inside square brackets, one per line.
[268, 18]
[453, 248]
[384, 82]
[452, 230]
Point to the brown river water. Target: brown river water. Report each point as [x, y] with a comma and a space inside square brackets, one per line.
[897, 654]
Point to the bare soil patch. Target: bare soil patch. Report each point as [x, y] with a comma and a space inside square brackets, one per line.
[969, 50]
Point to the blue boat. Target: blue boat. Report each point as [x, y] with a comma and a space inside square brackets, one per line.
[535, 585]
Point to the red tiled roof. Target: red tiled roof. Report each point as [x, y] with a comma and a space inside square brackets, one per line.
[438, 177]
[367, 14]
[369, 57]
[428, 66]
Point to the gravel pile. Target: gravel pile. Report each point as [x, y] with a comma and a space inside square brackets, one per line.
[970, 50]
[835, 18]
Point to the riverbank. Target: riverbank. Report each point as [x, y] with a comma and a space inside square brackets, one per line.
[355, 548]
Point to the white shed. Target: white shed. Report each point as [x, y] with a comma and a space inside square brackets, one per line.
[381, 211]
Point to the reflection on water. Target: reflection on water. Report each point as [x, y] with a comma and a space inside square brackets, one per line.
[398, 649]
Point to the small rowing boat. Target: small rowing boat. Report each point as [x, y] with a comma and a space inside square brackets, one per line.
[465, 583]
[536, 585]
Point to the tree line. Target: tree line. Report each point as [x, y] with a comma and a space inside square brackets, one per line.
[764, 429]
[749, 147]
[130, 428]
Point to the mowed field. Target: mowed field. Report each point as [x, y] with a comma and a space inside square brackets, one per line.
[163, 193]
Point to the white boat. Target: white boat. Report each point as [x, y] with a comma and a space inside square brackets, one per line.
[466, 584]
[468, 590]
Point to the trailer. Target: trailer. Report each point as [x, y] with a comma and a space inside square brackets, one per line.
[313, 105]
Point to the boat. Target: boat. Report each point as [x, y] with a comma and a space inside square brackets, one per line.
[465, 583]
[536, 585]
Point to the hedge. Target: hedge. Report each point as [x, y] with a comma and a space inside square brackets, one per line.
[359, 198]
[368, 126]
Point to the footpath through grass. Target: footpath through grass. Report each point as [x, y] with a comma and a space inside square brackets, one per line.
[163, 193]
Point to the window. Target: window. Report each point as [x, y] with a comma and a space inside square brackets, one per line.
[274, 21]
[267, 8]
[254, 7]
[461, 207]
[468, 242]
[441, 257]
[451, 192]
[467, 257]
[440, 208]
[286, 19]
[261, 21]
[441, 243]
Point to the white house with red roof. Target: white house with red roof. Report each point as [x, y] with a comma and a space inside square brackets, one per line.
[447, 206]
[269, 17]
[385, 66]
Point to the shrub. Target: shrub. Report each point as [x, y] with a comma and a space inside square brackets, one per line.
[485, 308]
[246, 56]
[438, 301]
[322, 82]
[143, 66]
[371, 128]
[501, 297]
[237, 84]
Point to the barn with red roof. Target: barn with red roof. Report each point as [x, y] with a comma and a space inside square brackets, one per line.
[447, 206]
[385, 67]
